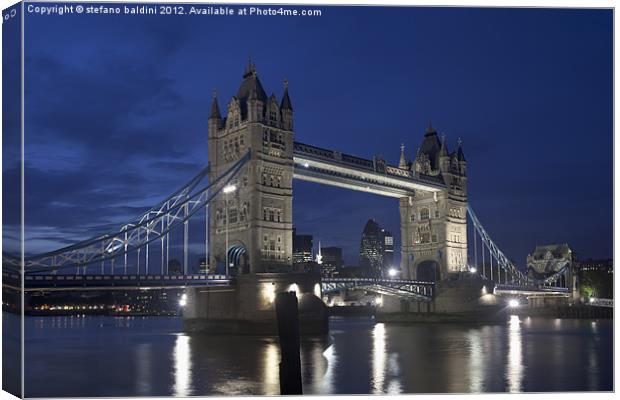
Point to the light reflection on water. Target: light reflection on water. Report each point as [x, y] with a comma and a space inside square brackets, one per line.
[475, 361]
[149, 356]
[182, 366]
[271, 369]
[514, 369]
[378, 358]
[384, 365]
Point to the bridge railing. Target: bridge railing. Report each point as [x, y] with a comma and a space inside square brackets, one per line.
[418, 290]
[95, 280]
[379, 280]
[600, 302]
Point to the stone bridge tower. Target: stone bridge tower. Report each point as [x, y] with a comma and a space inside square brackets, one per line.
[259, 211]
[434, 224]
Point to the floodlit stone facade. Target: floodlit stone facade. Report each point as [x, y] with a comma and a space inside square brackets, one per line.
[434, 225]
[259, 211]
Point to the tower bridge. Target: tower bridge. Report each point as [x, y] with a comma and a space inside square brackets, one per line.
[244, 198]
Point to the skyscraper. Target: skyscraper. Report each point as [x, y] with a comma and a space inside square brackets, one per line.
[371, 249]
[302, 248]
[332, 260]
[388, 250]
[376, 250]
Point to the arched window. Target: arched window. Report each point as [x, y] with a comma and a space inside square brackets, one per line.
[424, 214]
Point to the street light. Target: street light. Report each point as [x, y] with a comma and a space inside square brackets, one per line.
[392, 272]
[513, 303]
[183, 300]
[227, 189]
[473, 270]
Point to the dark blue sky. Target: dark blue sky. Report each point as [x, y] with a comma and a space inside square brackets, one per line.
[117, 106]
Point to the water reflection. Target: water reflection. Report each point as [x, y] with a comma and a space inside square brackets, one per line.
[380, 362]
[271, 369]
[476, 365]
[514, 368]
[359, 357]
[378, 358]
[317, 365]
[182, 366]
[143, 357]
[327, 384]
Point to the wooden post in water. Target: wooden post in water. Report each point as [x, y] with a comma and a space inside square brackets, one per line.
[288, 331]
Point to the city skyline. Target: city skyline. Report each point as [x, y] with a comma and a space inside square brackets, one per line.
[148, 117]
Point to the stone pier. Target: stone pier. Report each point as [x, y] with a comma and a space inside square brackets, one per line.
[458, 300]
[248, 306]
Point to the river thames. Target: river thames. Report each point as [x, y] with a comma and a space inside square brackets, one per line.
[151, 356]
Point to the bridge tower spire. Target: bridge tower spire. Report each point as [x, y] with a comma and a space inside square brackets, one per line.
[402, 163]
[215, 117]
[259, 211]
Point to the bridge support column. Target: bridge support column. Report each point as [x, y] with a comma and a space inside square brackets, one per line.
[248, 307]
[433, 235]
[257, 214]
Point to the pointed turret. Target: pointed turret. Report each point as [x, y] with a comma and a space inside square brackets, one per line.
[443, 150]
[444, 155]
[430, 130]
[215, 117]
[215, 108]
[251, 94]
[286, 109]
[402, 164]
[459, 153]
[431, 146]
[286, 100]
[250, 69]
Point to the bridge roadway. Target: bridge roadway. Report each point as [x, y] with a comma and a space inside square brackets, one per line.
[418, 290]
[330, 167]
[516, 290]
[409, 289]
[59, 282]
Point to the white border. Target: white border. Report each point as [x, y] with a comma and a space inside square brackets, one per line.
[478, 3]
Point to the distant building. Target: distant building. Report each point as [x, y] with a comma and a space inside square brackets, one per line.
[175, 267]
[202, 266]
[376, 250]
[388, 250]
[547, 260]
[351, 271]
[597, 278]
[302, 248]
[332, 260]
[371, 249]
[602, 265]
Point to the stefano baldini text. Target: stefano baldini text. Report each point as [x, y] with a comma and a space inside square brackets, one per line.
[178, 10]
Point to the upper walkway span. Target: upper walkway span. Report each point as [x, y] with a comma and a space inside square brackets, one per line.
[330, 167]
